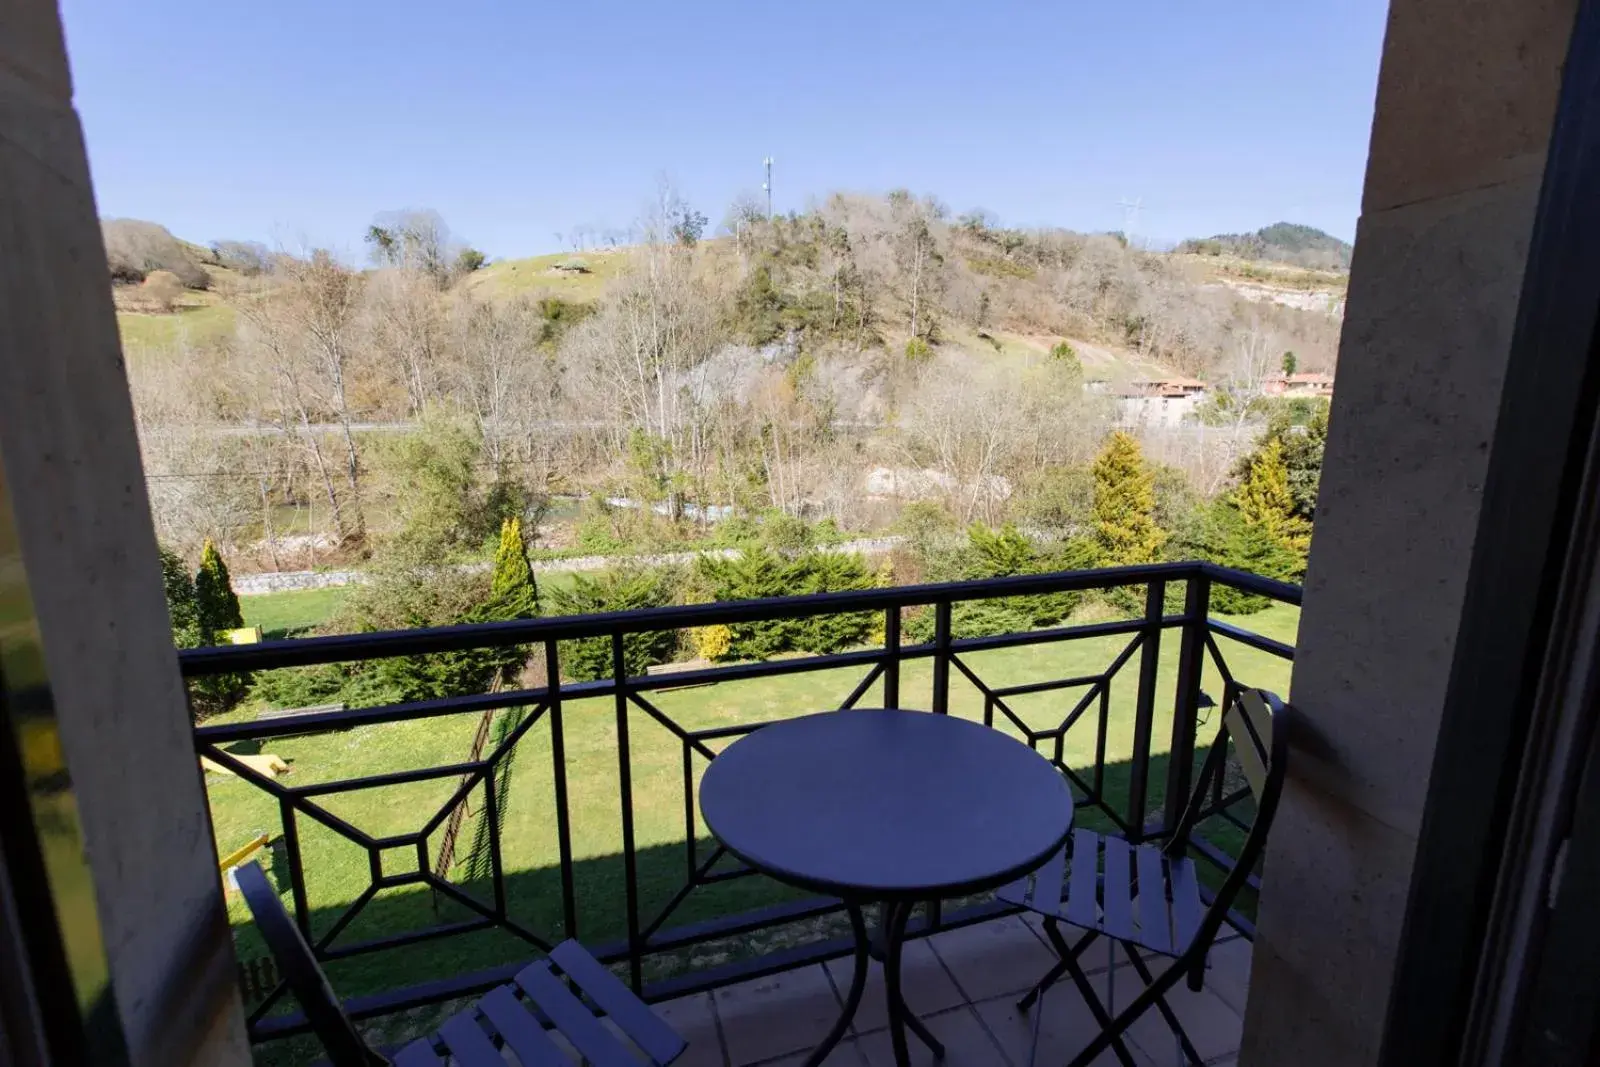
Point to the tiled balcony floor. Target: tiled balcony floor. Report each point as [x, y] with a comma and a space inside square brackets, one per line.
[964, 984]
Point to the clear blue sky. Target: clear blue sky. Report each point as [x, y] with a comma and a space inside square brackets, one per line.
[294, 122]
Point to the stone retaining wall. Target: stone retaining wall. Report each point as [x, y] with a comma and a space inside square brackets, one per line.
[294, 581]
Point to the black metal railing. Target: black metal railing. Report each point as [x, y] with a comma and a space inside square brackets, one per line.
[1134, 795]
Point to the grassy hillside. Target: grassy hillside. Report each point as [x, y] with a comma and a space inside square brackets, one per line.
[890, 274]
[198, 320]
[1100, 361]
[542, 274]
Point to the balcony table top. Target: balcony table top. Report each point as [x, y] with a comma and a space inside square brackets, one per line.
[880, 805]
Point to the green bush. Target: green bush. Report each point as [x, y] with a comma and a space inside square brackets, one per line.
[925, 522]
[181, 606]
[597, 528]
[917, 350]
[407, 589]
[827, 532]
[736, 531]
[1219, 533]
[431, 476]
[217, 612]
[624, 589]
[783, 532]
[758, 309]
[1002, 553]
[1056, 498]
[761, 572]
[301, 687]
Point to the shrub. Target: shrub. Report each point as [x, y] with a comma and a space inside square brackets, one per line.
[161, 291]
[1220, 533]
[760, 572]
[408, 589]
[784, 532]
[513, 594]
[917, 350]
[181, 606]
[134, 248]
[217, 612]
[923, 522]
[597, 529]
[624, 589]
[1057, 498]
[998, 554]
[737, 531]
[712, 642]
[300, 687]
[827, 532]
[431, 475]
[757, 311]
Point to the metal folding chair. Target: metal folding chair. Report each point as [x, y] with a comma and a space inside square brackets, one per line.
[509, 1017]
[1147, 897]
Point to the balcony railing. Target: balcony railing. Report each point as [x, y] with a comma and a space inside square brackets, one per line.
[639, 908]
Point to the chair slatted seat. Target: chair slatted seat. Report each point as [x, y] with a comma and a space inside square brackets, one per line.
[1165, 921]
[566, 989]
[1147, 896]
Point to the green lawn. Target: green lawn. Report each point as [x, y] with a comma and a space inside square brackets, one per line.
[298, 612]
[537, 274]
[195, 322]
[293, 613]
[337, 870]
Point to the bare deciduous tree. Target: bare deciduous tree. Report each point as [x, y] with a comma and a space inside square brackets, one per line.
[299, 333]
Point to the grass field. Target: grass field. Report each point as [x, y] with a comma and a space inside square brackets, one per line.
[195, 322]
[293, 613]
[509, 277]
[337, 870]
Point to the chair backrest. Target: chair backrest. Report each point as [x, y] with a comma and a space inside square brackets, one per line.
[303, 975]
[1258, 724]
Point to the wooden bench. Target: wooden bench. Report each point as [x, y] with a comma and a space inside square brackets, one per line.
[294, 713]
[282, 714]
[656, 670]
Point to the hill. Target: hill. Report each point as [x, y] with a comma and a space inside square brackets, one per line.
[1282, 242]
[894, 275]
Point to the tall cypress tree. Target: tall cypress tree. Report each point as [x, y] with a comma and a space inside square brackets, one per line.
[1124, 511]
[215, 601]
[179, 588]
[513, 594]
[1265, 501]
[216, 612]
[513, 589]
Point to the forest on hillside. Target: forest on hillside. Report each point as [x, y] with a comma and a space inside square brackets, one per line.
[774, 368]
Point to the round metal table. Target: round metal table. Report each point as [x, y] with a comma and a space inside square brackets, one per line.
[885, 807]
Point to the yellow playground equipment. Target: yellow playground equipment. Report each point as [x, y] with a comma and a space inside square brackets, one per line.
[239, 855]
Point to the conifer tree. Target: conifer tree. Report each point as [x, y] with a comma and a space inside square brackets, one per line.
[216, 604]
[179, 588]
[216, 612]
[513, 590]
[1265, 502]
[1125, 525]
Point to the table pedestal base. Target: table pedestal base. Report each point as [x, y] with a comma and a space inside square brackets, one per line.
[893, 930]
